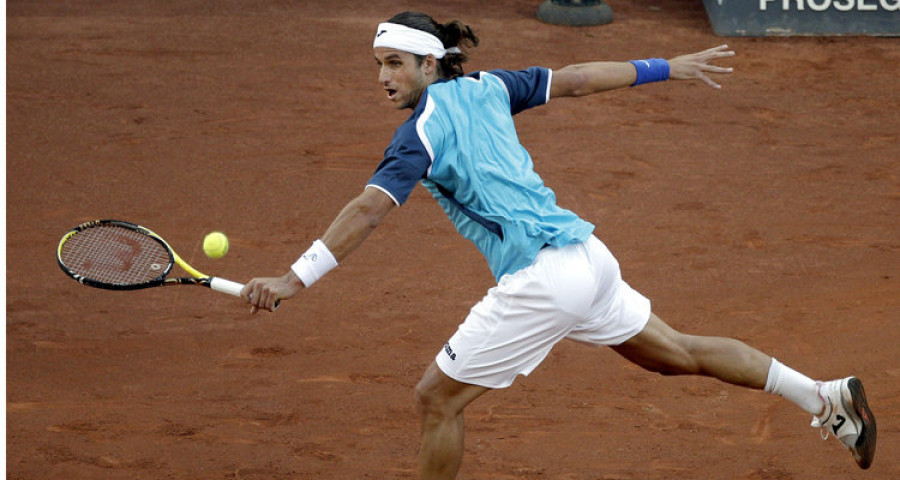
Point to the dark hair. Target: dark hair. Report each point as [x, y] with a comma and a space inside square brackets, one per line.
[452, 34]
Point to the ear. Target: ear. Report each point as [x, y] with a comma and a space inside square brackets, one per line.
[430, 65]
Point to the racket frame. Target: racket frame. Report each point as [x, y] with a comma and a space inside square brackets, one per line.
[196, 278]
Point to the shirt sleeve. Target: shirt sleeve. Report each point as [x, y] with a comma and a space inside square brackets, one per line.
[527, 88]
[406, 161]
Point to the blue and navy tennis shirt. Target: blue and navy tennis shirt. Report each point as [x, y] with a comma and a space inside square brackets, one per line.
[461, 143]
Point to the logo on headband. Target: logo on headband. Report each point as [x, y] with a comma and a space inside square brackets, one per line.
[380, 33]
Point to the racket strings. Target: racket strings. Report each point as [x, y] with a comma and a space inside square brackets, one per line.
[115, 255]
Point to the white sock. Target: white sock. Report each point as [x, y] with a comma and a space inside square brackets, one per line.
[794, 386]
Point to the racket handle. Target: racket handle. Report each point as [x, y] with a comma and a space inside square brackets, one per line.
[231, 288]
[226, 286]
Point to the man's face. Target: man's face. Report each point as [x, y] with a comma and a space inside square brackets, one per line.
[403, 77]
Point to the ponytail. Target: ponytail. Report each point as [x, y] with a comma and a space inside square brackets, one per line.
[456, 34]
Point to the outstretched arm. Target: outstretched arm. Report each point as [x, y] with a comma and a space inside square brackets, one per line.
[356, 221]
[349, 229]
[595, 77]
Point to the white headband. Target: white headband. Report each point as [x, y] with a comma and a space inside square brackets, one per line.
[401, 37]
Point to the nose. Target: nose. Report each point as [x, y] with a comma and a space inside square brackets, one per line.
[383, 76]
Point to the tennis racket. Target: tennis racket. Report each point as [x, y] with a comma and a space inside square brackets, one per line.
[117, 255]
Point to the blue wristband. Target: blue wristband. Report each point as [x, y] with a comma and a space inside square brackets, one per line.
[650, 70]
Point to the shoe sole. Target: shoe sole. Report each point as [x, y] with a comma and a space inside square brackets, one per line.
[864, 450]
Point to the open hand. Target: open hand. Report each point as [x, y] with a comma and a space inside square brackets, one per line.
[697, 65]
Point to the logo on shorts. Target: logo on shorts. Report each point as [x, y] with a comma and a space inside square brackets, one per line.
[449, 351]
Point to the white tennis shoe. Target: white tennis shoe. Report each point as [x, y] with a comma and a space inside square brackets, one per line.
[848, 418]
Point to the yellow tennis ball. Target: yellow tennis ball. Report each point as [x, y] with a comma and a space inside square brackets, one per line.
[215, 245]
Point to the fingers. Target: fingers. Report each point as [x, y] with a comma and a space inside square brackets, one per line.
[263, 300]
[721, 51]
[697, 66]
[708, 55]
[709, 81]
[714, 69]
[260, 296]
[721, 48]
[718, 69]
[715, 53]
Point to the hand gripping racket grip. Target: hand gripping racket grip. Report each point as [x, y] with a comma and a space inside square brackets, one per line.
[231, 288]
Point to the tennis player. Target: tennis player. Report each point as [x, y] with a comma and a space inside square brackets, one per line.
[555, 279]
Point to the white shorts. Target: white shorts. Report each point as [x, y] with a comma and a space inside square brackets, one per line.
[574, 292]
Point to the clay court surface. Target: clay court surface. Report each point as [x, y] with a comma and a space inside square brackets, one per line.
[768, 211]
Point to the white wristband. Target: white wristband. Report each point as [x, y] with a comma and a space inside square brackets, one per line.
[314, 264]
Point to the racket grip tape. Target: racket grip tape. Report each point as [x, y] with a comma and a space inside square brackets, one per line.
[226, 286]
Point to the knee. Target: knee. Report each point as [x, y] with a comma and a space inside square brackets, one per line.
[439, 398]
[428, 401]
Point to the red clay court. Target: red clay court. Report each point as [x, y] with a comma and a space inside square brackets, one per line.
[768, 211]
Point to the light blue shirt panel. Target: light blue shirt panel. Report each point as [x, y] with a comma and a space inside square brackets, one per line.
[477, 156]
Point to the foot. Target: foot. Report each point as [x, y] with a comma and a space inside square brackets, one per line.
[848, 418]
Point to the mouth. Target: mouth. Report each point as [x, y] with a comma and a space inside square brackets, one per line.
[391, 93]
